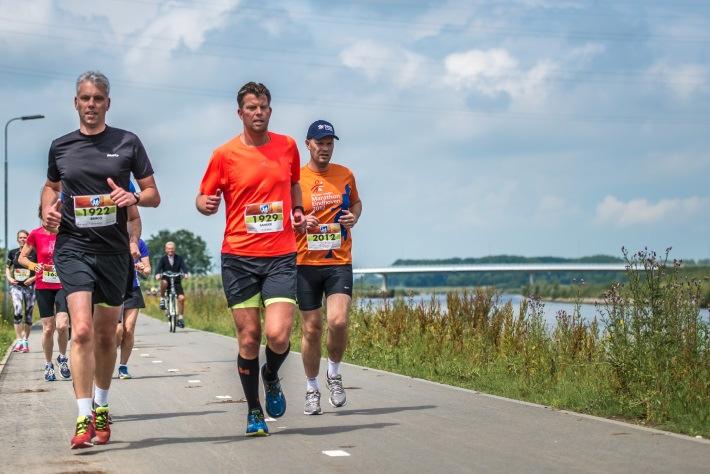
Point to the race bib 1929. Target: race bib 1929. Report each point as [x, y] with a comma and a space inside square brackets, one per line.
[264, 217]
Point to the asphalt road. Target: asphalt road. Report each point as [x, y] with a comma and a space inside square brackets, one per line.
[169, 419]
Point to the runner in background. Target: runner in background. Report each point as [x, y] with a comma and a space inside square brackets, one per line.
[332, 206]
[125, 330]
[22, 292]
[51, 300]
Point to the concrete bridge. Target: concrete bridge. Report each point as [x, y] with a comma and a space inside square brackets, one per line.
[530, 268]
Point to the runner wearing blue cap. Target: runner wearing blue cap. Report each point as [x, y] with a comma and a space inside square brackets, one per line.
[332, 206]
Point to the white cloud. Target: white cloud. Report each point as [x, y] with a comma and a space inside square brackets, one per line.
[495, 71]
[175, 26]
[641, 211]
[684, 80]
[376, 60]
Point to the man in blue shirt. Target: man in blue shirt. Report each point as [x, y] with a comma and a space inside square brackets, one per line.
[125, 331]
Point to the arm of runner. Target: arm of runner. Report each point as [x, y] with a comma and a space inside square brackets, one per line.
[8, 275]
[299, 220]
[351, 216]
[51, 213]
[208, 205]
[144, 266]
[149, 195]
[23, 259]
[30, 281]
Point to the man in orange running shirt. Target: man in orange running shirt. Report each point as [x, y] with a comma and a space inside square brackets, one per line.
[332, 207]
[257, 172]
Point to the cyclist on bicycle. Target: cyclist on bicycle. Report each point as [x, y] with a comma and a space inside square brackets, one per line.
[171, 262]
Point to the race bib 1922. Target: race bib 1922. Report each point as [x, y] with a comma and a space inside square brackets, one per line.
[94, 211]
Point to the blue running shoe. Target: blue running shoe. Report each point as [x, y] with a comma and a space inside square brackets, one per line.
[123, 372]
[63, 362]
[275, 400]
[256, 426]
[49, 372]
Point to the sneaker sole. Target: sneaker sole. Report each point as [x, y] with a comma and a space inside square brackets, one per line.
[258, 434]
[313, 413]
[85, 444]
[123, 377]
[337, 406]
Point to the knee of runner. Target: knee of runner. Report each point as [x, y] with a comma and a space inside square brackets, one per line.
[338, 324]
[312, 330]
[17, 318]
[63, 326]
[278, 342]
[48, 326]
[81, 334]
[128, 332]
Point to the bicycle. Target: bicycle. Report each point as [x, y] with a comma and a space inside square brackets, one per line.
[171, 311]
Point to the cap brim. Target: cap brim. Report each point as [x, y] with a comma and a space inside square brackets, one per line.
[323, 135]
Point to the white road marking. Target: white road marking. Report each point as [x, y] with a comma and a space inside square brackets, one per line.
[157, 361]
[173, 370]
[269, 419]
[193, 381]
[336, 453]
[145, 355]
[223, 397]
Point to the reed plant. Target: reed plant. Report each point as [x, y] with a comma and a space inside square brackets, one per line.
[645, 359]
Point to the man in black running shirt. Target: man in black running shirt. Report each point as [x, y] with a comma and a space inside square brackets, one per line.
[91, 167]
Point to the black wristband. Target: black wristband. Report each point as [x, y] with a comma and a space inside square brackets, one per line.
[303, 211]
[137, 195]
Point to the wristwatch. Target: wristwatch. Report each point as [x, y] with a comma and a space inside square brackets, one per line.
[137, 195]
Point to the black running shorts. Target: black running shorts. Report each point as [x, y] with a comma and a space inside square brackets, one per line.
[134, 299]
[245, 277]
[107, 277]
[315, 280]
[51, 302]
[178, 286]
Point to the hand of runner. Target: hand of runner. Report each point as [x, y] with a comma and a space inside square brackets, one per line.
[12, 281]
[213, 201]
[29, 282]
[52, 217]
[158, 275]
[120, 196]
[135, 252]
[348, 219]
[299, 221]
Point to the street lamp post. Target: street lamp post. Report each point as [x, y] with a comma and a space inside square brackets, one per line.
[24, 117]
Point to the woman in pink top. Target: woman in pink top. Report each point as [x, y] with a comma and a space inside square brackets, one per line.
[51, 299]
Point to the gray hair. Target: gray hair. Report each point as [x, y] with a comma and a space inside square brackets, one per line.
[95, 77]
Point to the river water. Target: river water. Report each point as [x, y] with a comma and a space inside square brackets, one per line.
[550, 310]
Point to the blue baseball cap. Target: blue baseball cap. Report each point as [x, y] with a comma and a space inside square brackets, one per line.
[320, 129]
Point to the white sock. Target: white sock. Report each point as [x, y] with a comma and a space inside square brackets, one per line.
[333, 368]
[312, 385]
[122, 365]
[101, 396]
[84, 405]
[180, 316]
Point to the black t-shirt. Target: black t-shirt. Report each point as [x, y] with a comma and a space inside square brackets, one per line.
[83, 163]
[12, 263]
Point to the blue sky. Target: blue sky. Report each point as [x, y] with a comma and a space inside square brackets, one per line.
[526, 127]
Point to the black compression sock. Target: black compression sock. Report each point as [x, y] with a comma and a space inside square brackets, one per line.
[249, 375]
[274, 361]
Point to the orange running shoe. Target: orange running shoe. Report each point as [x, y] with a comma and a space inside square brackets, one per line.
[101, 424]
[84, 433]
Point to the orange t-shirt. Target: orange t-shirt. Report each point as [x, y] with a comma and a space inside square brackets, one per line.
[256, 185]
[327, 194]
